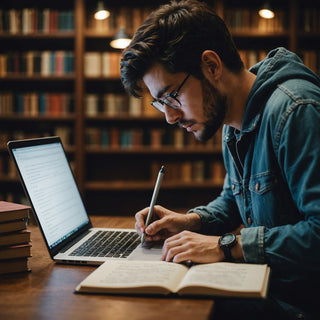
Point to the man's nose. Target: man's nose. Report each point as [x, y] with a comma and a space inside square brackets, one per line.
[172, 115]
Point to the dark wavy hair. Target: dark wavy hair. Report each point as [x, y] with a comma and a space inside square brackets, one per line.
[175, 35]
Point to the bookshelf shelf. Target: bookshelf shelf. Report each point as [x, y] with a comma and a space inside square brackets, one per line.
[259, 34]
[152, 150]
[99, 35]
[22, 77]
[102, 79]
[148, 185]
[39, 36]
[38, 118]
[125, 118]
[99, 104]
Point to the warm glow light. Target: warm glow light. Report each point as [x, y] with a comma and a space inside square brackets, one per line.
[101, 15]
[121, 39]
[266, 13]
[101, 12]
[120, 43]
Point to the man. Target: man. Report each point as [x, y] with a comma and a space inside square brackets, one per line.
[185, 56]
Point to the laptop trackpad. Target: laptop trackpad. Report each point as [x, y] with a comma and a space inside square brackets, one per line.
[146, 252]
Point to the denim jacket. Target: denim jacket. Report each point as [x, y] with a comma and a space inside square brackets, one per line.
[272, 184]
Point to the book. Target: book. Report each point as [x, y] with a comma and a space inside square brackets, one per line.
[14, 265]
[11, 226]
[18, 237]
[10, 211]
[163, 278]
[15, 251]
[92, 64]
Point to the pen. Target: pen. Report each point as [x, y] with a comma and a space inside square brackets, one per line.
[153, 200]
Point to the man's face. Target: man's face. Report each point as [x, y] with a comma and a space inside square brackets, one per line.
[202, 109]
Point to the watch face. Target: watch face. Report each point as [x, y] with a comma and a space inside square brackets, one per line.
[227, 238]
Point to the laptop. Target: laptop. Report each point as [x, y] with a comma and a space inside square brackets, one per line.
[50, 186]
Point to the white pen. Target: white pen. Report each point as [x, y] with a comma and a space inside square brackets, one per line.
[153, 200]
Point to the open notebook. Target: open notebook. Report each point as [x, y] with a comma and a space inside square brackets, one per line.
[50, 186]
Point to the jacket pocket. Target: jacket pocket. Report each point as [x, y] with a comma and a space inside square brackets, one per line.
[262, 183]
[265, 200]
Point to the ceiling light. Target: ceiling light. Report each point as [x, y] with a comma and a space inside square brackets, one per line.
[101, 11]
[266, 11]
[121, 40]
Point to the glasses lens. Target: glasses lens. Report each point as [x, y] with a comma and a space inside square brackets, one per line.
[158, 105]
[172, 102]
[169, 101]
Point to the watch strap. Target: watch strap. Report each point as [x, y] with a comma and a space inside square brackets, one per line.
[227, 247]
[227, 254]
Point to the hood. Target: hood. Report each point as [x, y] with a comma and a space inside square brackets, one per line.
[280, 65]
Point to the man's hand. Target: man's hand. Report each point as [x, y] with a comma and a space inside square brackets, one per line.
[198, 248]
[191, 246]
[165, 223]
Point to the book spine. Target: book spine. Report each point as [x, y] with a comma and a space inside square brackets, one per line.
[33, 20]
[43, 63]
[155, 138]
[35, 103]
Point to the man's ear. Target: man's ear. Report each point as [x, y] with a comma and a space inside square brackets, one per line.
[211, 64]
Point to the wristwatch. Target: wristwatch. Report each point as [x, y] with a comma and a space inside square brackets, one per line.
[226, 242]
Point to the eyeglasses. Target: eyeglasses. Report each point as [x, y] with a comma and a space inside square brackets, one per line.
[170, 99]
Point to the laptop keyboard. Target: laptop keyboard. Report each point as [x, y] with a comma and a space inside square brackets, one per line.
[116, 244]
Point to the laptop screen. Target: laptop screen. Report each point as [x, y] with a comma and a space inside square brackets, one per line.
[52, 190]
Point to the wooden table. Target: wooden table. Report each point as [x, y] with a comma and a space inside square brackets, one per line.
[48, 291]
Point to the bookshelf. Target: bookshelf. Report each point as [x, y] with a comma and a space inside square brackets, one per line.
[37, 79]
[308, 34]
[58, 77]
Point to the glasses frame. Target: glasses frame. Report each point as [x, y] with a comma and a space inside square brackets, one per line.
[159, 103]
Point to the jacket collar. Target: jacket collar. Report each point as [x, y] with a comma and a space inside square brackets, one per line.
[250, 127]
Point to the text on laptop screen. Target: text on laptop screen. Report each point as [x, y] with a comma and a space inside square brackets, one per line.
[52, 190]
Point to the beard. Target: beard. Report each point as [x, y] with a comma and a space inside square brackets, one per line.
[214, 109]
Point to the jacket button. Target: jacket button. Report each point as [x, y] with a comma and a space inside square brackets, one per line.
[257, 186]
[249, 220]
[233, 187]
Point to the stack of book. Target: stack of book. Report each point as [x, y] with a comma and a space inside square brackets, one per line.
[15, 246]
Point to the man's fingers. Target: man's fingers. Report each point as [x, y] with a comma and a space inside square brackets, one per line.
[140, 220]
